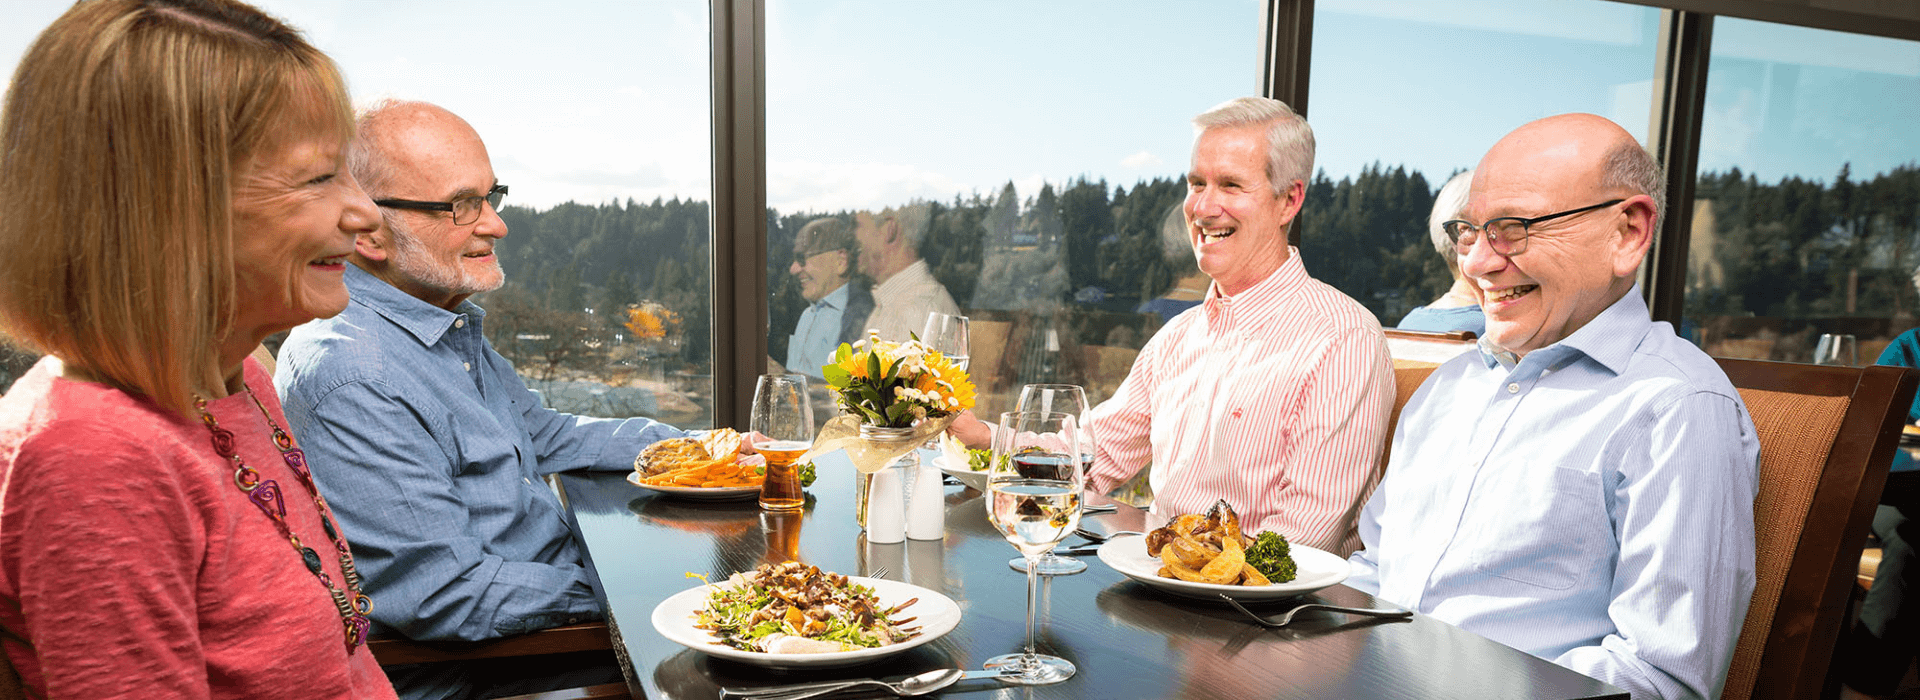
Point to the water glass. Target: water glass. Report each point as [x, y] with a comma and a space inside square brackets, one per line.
[1033, 498]
[1836, 350]
[1063, 398]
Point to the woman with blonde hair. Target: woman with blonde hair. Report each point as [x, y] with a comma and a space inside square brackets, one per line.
[175, 192]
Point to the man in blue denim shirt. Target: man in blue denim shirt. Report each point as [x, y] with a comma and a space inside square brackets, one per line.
[421, 436]
[1581, 488]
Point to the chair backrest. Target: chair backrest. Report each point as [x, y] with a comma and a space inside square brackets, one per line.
[1826, 435]
[1426, 346]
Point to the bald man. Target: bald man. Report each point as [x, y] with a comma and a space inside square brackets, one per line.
[424, 440]
[1582, 487]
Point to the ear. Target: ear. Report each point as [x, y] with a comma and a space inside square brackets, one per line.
[374, 246]
[1295, 196]
[890, 230]
[1638, 227]
[845, 259]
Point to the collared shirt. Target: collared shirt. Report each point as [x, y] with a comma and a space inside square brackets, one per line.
[817, 334]
[1275, 399]
[431, 452]
[1445, 319]
[901, 304]
[1590, 503]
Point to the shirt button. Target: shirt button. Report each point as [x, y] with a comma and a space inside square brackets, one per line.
[573, 620]
[467, 365]
[460, 322]
[1513, 388]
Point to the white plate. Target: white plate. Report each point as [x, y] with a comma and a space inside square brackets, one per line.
[699, 493]
[937, 615]
[977, 480]
[1317, 569]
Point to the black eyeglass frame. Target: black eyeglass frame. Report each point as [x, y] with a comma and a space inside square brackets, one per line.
[493, 197]
[1515, 245]
[802, 258]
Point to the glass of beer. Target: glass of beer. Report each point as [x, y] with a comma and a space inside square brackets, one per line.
[782, 424]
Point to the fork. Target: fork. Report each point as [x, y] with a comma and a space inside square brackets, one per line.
[878, 573]
[1287, 619]
[1097, 537]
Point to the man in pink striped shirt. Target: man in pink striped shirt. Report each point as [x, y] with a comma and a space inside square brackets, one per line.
[1274, 393]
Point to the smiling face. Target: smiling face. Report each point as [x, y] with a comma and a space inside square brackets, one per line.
[819, 273]
[1236, 219]
[437, 157]
[296, 212]
[1573, 267]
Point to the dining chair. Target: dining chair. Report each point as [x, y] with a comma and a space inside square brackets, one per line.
[392, 650]
[1427, 346]
[1415, 355]
[1827, 435]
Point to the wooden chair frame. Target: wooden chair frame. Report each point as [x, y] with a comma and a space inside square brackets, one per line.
[1807, 619]
[391, 650]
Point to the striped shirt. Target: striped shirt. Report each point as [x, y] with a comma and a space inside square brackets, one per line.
[1275, 399]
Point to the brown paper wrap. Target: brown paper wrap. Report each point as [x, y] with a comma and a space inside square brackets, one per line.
[871, 453]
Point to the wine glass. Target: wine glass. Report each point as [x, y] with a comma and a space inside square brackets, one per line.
[1836, 350]
[782, 424]
[947, 335]
[1063, 398]
[1033, 497]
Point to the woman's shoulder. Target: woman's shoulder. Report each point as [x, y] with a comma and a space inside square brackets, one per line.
[84, 426]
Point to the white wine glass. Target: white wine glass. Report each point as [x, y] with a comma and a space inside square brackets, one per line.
[1063, 398]
[782, 423]
[947, 335]
[1033, 497]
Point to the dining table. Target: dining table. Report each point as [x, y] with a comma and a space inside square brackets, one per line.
[1127, 639]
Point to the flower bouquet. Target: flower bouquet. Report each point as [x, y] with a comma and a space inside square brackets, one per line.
[893, 396]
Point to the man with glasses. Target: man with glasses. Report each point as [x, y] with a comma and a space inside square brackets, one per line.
[837, 304]
[423, 438]
[1581, 488]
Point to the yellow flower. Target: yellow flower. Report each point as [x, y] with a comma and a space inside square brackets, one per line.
[944, 378]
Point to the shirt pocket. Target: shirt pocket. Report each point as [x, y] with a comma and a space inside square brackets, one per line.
[1551, 533]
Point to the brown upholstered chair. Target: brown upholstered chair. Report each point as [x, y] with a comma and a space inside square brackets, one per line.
[589, 636]
[1415, 355]
[1827, 435]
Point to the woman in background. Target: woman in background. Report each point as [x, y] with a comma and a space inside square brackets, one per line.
[174, 193]
[1459, 308]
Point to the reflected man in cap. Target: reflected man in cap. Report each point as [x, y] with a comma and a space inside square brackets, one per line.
[838, 303]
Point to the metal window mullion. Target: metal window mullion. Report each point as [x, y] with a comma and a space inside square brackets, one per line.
[1286, 43]
[739, 206]
[1680, 95]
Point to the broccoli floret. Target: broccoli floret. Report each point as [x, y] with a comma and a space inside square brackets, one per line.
[1272, 557]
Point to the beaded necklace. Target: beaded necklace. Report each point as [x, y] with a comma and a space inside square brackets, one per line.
[353, 605]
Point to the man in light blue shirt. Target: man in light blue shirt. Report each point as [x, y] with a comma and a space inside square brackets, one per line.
[423, 438]
[823, 255]
[1582, 487]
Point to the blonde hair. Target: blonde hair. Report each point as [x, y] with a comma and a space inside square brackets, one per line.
[126, 128]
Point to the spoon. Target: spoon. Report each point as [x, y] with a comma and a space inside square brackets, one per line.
[908, 687]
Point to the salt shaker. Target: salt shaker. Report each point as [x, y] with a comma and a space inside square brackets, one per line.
[886, 505]
[926, 505]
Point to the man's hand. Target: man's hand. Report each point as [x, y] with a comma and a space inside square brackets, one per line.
[970, 431]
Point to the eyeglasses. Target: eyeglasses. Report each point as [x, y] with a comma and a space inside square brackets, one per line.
[802, 258]
[1509, 232]
[466, 210]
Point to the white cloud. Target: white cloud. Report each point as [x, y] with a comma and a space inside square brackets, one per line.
[1143, 159]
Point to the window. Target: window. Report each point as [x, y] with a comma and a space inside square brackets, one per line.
[1807, 195]
[1041, 145]
[1389, 137]
[600, 125]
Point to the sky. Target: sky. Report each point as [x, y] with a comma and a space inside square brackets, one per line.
[872, 102]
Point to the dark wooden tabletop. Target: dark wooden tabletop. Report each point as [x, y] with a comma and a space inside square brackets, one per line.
[1129, 640]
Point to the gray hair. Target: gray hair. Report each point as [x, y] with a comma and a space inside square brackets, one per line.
[1630, 167]
[1446, 206]
[915, 218]
[368, 162]
[1289, 138]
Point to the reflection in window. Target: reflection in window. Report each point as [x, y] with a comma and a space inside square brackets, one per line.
[600, 127]
[1808, 191]
[1029, 154]
[1388, 138]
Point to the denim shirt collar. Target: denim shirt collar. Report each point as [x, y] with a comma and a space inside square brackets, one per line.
[426, 322]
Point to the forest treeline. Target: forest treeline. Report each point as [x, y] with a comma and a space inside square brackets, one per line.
[1793, 249]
